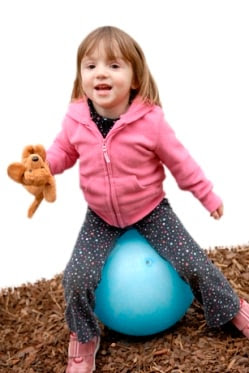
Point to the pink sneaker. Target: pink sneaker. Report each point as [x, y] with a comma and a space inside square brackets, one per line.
[241, 320]
[81, 356]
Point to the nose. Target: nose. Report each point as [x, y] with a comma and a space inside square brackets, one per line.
[101, 71]
[35, 158]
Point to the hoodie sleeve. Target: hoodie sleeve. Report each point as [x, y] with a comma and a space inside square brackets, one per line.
[187, 173]
[62, 154]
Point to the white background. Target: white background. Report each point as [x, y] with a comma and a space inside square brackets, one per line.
[198, 54]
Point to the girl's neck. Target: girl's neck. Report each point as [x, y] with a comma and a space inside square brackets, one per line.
[95, 113]
[111, 113]
[116, 112]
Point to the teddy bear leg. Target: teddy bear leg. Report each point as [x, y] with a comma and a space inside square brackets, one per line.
[33, 207]
[49, 192]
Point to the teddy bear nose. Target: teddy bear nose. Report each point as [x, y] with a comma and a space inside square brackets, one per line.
[35, 158]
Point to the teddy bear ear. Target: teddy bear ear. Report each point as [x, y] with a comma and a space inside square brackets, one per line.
[16, 171]
[34, 149]
[39, 149]
[29, 149]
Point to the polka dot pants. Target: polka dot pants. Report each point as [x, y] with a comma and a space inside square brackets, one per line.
[167, 235]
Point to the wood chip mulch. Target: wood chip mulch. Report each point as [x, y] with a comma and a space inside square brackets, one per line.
[34, 337]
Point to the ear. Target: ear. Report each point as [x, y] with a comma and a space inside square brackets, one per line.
[16, 171]
[134, 83]
[134, 86]
[34, 149]
[39, 149]
[29, 149]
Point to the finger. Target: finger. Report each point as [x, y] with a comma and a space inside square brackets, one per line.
[215, 215]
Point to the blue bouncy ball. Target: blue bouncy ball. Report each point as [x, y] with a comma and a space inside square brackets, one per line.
[140, 293]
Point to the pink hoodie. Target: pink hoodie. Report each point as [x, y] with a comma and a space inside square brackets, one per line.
[122, 175]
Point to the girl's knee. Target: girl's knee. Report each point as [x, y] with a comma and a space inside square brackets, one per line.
[80, 279]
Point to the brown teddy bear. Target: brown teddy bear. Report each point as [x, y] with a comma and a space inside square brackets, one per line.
[34, 174]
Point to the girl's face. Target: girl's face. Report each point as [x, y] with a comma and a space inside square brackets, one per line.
[106, 82]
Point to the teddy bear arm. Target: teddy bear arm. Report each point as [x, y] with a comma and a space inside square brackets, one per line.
[16, 171]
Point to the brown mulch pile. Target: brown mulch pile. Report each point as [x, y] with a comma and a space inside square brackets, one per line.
[34, 337]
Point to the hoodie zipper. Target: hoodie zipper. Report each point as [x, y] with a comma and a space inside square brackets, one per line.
[106, 156]
[108, 161]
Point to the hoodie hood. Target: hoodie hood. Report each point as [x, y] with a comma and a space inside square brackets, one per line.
[79, 111]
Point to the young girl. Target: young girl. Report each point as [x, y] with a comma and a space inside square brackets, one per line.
[115, 127]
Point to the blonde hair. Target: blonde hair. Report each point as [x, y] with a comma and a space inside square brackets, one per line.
[113, 37]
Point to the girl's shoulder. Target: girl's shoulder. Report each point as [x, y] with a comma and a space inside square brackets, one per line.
[141, 108]
[78, 110]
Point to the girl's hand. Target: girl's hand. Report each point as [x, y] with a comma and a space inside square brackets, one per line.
[217, 214]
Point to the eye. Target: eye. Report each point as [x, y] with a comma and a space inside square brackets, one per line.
[91, 66]
[115, 65]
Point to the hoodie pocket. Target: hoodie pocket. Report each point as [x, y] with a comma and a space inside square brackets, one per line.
[129, 191]
[95, 192]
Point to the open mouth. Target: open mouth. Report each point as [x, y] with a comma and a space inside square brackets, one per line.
[103, 87]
